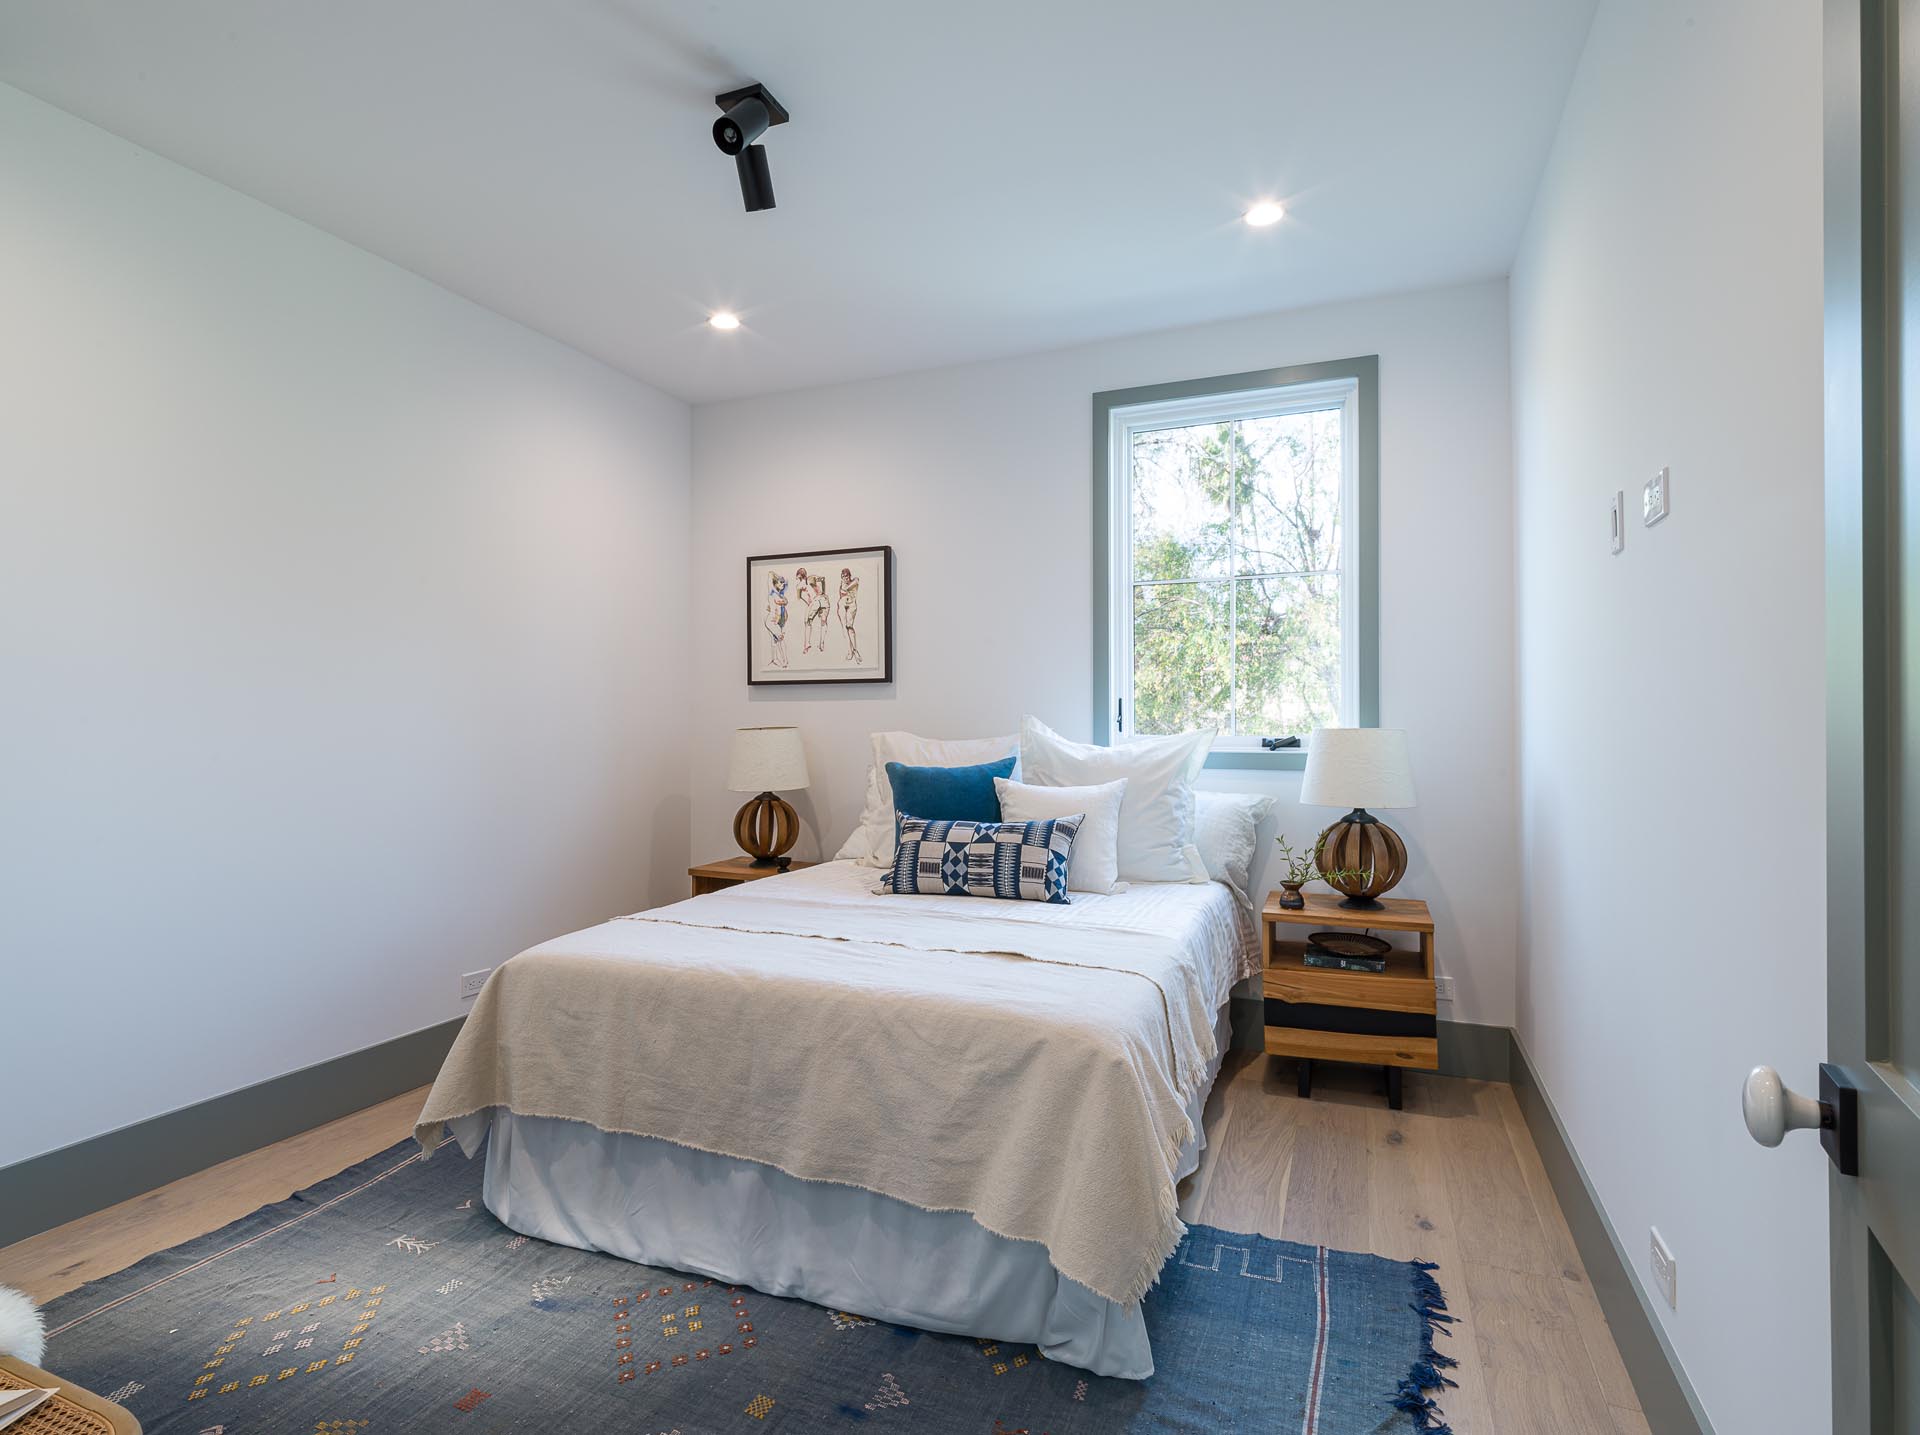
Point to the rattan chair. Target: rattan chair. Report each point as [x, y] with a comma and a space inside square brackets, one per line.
[73, 1411]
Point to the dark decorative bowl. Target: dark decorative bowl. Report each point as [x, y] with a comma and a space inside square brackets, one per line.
[1350, 944]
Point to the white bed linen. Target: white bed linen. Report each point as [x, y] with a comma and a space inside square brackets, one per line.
[839, 1246]
[887, 1043]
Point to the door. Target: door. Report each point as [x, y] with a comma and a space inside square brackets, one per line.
[1873, 703]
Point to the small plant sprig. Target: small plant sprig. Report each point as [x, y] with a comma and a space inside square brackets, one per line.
[1301, 866]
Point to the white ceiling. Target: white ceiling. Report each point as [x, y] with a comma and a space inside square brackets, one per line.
[959, 181]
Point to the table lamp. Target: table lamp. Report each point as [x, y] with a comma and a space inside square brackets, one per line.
[765, 759]
[1359, 768]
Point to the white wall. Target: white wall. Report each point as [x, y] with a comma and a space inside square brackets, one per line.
[341, 636]
[1666, 311]
[979, 472]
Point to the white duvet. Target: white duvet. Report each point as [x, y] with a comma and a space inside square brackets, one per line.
[1027, 1063]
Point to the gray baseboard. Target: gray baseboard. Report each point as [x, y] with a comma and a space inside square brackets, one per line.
[46, 1191]
[1666, 1396]
[1481, 1053]
[1249, 1026]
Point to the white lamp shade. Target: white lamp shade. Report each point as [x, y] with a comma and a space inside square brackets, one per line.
[1357, 767]
[766, 759]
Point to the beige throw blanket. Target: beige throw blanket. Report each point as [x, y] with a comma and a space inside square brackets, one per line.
[1030, 1065]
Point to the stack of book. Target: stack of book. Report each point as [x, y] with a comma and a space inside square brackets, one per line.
[1321, 957]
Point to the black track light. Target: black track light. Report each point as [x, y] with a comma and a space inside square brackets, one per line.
[756, 180]
[746, 115]
[743, 123]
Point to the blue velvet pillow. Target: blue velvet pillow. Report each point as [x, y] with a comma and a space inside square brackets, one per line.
[954, 794]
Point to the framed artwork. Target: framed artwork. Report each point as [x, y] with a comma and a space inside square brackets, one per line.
[824, 617]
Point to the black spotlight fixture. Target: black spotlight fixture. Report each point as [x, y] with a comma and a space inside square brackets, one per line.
[747, 114]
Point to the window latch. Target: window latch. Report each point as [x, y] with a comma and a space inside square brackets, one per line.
[1119, 710]
[1274, 744]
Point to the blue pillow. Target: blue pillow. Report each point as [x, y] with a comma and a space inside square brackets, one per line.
[959, 794]
[1014, 861]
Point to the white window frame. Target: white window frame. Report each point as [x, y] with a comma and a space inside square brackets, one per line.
[1131, 419]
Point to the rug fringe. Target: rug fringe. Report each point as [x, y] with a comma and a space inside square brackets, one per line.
[1431, 1306]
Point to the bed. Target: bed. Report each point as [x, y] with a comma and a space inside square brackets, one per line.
[945, 1112]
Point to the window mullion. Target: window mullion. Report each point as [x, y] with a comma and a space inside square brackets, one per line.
[1233, 578]
[1125, 694]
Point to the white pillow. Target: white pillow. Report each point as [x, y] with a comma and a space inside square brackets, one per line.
[1225, 829]
[1094, 864]
[1156, 813]
[871, 844]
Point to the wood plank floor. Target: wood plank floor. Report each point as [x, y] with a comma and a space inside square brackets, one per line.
[1454, 1178]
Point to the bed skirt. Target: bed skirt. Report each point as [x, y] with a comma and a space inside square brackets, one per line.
[841, 1247]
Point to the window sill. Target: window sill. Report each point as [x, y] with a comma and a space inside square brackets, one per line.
[1285, 759]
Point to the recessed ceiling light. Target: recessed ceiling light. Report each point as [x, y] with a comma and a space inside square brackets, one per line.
[724, 319]
[1266, 212]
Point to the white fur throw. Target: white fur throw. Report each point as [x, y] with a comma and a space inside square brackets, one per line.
[21, 1334]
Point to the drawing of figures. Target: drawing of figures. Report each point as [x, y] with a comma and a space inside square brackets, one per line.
[814, 607]
[803, 626]
[849, 610]
[776, 619]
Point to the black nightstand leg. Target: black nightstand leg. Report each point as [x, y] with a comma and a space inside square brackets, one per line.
[1306, 1079]
[1393, 1088]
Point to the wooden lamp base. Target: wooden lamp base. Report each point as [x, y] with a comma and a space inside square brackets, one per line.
[766, 827]
[1363, 845]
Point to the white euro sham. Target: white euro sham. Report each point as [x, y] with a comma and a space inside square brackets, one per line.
[1156, 814]
[871, 844]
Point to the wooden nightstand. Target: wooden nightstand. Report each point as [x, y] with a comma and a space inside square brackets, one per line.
[713, 876]
[1375, 1018]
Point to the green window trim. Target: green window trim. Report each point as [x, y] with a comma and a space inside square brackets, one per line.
[1364, 372]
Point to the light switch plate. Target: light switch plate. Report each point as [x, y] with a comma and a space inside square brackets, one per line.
[1666, 1270]
[1617, 520]
[1654, 500]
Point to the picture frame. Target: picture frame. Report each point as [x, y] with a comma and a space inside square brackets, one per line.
[824, 616]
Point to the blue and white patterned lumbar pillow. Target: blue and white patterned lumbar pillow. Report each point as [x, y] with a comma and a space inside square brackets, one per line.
[1014, 861]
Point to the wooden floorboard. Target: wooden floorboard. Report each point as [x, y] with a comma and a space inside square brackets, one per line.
[1411, 1218]
[55, 1262]
[1454, 1178]
[1538, 1378]
[1499, 1224]
[1616, 1387]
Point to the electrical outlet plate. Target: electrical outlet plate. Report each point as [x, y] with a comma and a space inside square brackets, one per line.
[1617, 520]
[1654, 500]
[471, 982]
[1666, 1270]
[1443, 989]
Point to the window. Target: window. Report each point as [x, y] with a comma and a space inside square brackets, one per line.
[1234, 548]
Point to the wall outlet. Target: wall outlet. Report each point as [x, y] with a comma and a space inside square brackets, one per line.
[1443, 989]
[1653, 501]
[1666, 1270]
[471, 982]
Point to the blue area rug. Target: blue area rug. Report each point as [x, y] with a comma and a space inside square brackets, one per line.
[387, 1299]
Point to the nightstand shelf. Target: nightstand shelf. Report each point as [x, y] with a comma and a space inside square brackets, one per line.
[731, 872]
[1405, 985]
[1384, 1019]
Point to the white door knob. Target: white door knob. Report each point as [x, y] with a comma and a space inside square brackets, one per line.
[1772, 1110]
